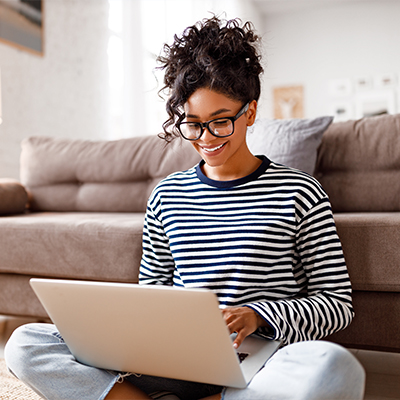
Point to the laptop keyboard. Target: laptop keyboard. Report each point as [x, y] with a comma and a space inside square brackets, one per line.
[242, 356]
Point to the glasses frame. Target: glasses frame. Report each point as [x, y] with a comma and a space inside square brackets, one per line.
[206, 125]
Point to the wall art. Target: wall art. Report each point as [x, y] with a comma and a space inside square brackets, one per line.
[21, 24]
[377, 102]
[288, 102]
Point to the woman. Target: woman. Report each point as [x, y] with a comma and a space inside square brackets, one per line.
[258, 234]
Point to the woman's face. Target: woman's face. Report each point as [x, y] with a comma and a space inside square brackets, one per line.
[220, 154]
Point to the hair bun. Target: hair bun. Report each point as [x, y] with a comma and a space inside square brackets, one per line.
[213, 53]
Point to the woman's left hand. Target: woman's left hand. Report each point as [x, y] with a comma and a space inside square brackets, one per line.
[242, 320]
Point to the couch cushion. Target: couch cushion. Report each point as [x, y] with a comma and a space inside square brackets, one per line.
[358, 164]
[292, 142]
[97, 246]
[109, 176]
[371, 248]
[13, 197]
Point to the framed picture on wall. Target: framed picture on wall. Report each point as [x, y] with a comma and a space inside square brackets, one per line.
[288, 102]
[21, 24]
[374, 103]
[340, 87]
[342, 111]
[363, 83]
[385, 81]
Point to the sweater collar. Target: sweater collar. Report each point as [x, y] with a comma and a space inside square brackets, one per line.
[236, 182]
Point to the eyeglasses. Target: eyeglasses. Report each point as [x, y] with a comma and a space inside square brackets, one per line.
[219, 127]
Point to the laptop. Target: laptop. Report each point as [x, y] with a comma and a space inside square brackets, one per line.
[150, 329]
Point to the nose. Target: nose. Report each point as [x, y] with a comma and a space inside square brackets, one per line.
[207, 136]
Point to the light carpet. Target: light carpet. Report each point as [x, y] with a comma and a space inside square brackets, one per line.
[13, 389]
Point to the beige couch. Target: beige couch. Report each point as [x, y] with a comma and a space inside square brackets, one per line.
[86, 212]
[88, 201]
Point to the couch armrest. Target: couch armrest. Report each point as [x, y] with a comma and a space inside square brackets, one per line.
[13, 197]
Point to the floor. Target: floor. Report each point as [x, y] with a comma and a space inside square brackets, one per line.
[383, 369]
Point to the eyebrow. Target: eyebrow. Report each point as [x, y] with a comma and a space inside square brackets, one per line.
[214, 114]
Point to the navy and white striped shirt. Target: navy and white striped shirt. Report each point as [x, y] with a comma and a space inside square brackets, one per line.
[267, 241]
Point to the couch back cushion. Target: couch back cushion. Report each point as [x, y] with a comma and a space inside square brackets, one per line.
[358, 164]
[106, 176]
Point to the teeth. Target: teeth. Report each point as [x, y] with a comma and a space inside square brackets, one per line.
[214, 149]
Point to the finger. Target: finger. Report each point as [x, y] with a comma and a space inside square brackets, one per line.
[241, 335]
[228, 314]
[234, 326]
[231, 321]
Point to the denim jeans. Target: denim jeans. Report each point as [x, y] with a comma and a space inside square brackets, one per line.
[314, 370]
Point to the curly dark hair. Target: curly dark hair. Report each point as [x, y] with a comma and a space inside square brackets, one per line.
[215, 54]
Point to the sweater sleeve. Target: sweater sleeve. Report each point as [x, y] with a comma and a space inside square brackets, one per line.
[157, 265]
[326, 305]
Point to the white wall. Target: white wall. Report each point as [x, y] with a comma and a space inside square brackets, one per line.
[65, 92]
[314, 46]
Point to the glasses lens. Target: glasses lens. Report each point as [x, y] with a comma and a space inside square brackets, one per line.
[190, 130]
[221, 127]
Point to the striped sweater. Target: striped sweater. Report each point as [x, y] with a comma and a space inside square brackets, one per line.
[267, 241]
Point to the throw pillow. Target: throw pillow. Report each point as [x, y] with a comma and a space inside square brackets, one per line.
[13, 197]
[292, 142]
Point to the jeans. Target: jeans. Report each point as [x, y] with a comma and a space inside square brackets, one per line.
[314, 370]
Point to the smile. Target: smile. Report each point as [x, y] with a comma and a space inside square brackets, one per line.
[213, 149]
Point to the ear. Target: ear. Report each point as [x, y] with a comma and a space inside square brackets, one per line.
[251, 113]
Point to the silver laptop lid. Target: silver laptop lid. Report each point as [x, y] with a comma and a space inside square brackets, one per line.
[154, 330]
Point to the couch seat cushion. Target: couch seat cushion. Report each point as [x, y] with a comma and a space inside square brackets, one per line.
[371, 247]
[77, 245]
